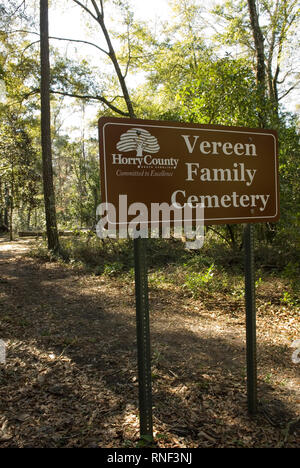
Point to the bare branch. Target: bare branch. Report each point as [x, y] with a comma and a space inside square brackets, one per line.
[95, 98]
[290, 71]
[29, 45]
[80, 41]
[62, 39]
[102, 9]
[86, 9]
[102, 99]
[99, 14]
[289, 90]
[22, 31]
[18, 7]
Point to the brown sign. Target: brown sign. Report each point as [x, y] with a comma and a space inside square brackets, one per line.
[232, 171]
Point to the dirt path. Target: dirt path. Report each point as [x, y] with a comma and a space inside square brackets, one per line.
[70, 376]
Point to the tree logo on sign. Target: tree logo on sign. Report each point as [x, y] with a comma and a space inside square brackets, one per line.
[139, 140]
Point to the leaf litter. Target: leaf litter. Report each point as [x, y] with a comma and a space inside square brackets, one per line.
[70, 377]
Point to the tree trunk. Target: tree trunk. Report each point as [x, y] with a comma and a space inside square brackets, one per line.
[28, 218]
[1, 207]
[49, 196]
[260, 60]
[11, 211]
[11, 201]
[6, 209]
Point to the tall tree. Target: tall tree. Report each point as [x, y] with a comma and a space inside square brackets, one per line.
[267, 32]
[258, 43]
[49, 195]
[260, 66]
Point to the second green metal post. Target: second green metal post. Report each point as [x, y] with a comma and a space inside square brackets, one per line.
[250, 319]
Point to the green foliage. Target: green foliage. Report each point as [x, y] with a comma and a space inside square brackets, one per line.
[187, 77]
[113, 269]
[291, 273]
[212, 97]
[84, 249]
[289, 169]
[213, 271]
[290, 299]
[76, 169]
[146, 441]
[157, 278]
[19, 175]
[197, 282]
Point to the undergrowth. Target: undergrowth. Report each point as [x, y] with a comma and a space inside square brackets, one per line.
[216, 268]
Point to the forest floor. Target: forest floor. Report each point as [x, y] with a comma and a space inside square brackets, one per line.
[70, 377]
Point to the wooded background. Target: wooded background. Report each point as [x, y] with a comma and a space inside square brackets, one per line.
[232, 62]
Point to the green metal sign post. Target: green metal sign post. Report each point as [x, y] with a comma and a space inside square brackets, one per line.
[250, 319]
[143, 339]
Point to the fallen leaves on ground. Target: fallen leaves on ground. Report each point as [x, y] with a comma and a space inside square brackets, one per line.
[70, 378]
